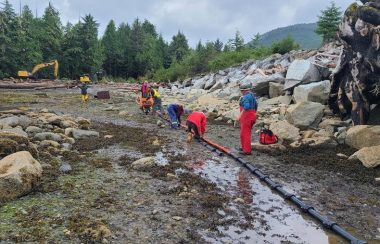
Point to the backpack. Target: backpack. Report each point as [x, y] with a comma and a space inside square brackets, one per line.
[267, 137]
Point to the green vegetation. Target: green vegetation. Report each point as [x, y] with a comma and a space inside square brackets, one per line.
[303, 34]
[125, 53]
[285, 45]
[328, 22]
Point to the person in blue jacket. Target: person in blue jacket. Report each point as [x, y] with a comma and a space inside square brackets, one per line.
[175, 111]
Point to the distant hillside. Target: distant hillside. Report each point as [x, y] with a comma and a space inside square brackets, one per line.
[304, 34]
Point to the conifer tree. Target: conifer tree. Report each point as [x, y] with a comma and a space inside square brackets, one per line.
[328, 22]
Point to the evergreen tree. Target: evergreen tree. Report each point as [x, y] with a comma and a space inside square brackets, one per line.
[92, 50]
[218, 45]
[328, 22]
[8, 38]
[163, 52]
[51, 34]
[179, 47]
[112, 49]
[255, 43]
[28, 45]
[238, 41]
[72, 52]
[285, 45]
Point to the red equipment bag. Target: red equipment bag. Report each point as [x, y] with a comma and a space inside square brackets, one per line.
[267, 137]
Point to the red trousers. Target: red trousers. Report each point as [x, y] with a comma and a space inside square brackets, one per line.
[247, 120]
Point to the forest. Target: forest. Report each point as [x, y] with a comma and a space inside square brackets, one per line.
[125, 52]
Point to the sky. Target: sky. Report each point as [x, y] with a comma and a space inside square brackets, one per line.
[204, 20]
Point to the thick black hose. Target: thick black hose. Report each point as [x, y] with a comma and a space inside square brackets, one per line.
[331, 225]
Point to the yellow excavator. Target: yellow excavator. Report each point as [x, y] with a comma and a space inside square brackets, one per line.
[26, 74]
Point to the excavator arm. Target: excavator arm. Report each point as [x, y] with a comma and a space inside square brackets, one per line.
[43, 65]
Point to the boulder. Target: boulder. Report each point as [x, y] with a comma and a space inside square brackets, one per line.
[49, 143]
[67, 124]
[260, 83]
[186, 83]
[305, 114]
[313, 92]
[285, 131]
[144, 163]
[200, 83]
[301, 72]
[14, 121]
[33, 130]
[55, 119]
[84, 124]
[65, 168]
[274, 102]
[232, 114]
[268, 148]
[17, 130]
[19, 174]
[217, 86]
[210, 82]
[361, 136]
[275, 89]
[84, 134]
[20, 139]
[369, 156]
[326, 123]
[236, 75]
[316, 142]
[48, 136]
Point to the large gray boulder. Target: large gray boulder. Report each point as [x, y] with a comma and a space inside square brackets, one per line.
[260, 83]
[200, 83]
[210, 82]
[305, 114]
[84, 134]
[14, 121]
[217, 86]
[236, 75]
[48, 136]
[285, 131]
[19, 174]
[361, 136]
[301, 72]
[313, 92]
[275, 89]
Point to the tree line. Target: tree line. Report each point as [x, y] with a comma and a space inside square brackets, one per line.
[125, 51]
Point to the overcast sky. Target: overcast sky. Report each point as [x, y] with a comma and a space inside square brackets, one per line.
[197, 19]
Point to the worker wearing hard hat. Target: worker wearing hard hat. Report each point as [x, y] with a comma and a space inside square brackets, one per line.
[247, 117]
[157, 101]
[83, 91]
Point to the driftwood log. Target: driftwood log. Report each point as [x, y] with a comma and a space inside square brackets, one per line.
[356, 79]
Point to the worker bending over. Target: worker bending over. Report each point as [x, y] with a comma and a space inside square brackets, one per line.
[175, 111]
[157, 102]
[196, 125]
[247, 118]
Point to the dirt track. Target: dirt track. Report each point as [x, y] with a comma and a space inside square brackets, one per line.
[230, 206]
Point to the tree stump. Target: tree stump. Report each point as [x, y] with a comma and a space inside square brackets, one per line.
[356, 79]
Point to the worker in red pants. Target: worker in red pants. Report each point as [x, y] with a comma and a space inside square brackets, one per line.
[247, 118]
[196, 125]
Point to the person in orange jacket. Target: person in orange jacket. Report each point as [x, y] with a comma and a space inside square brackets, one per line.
[196, 125]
